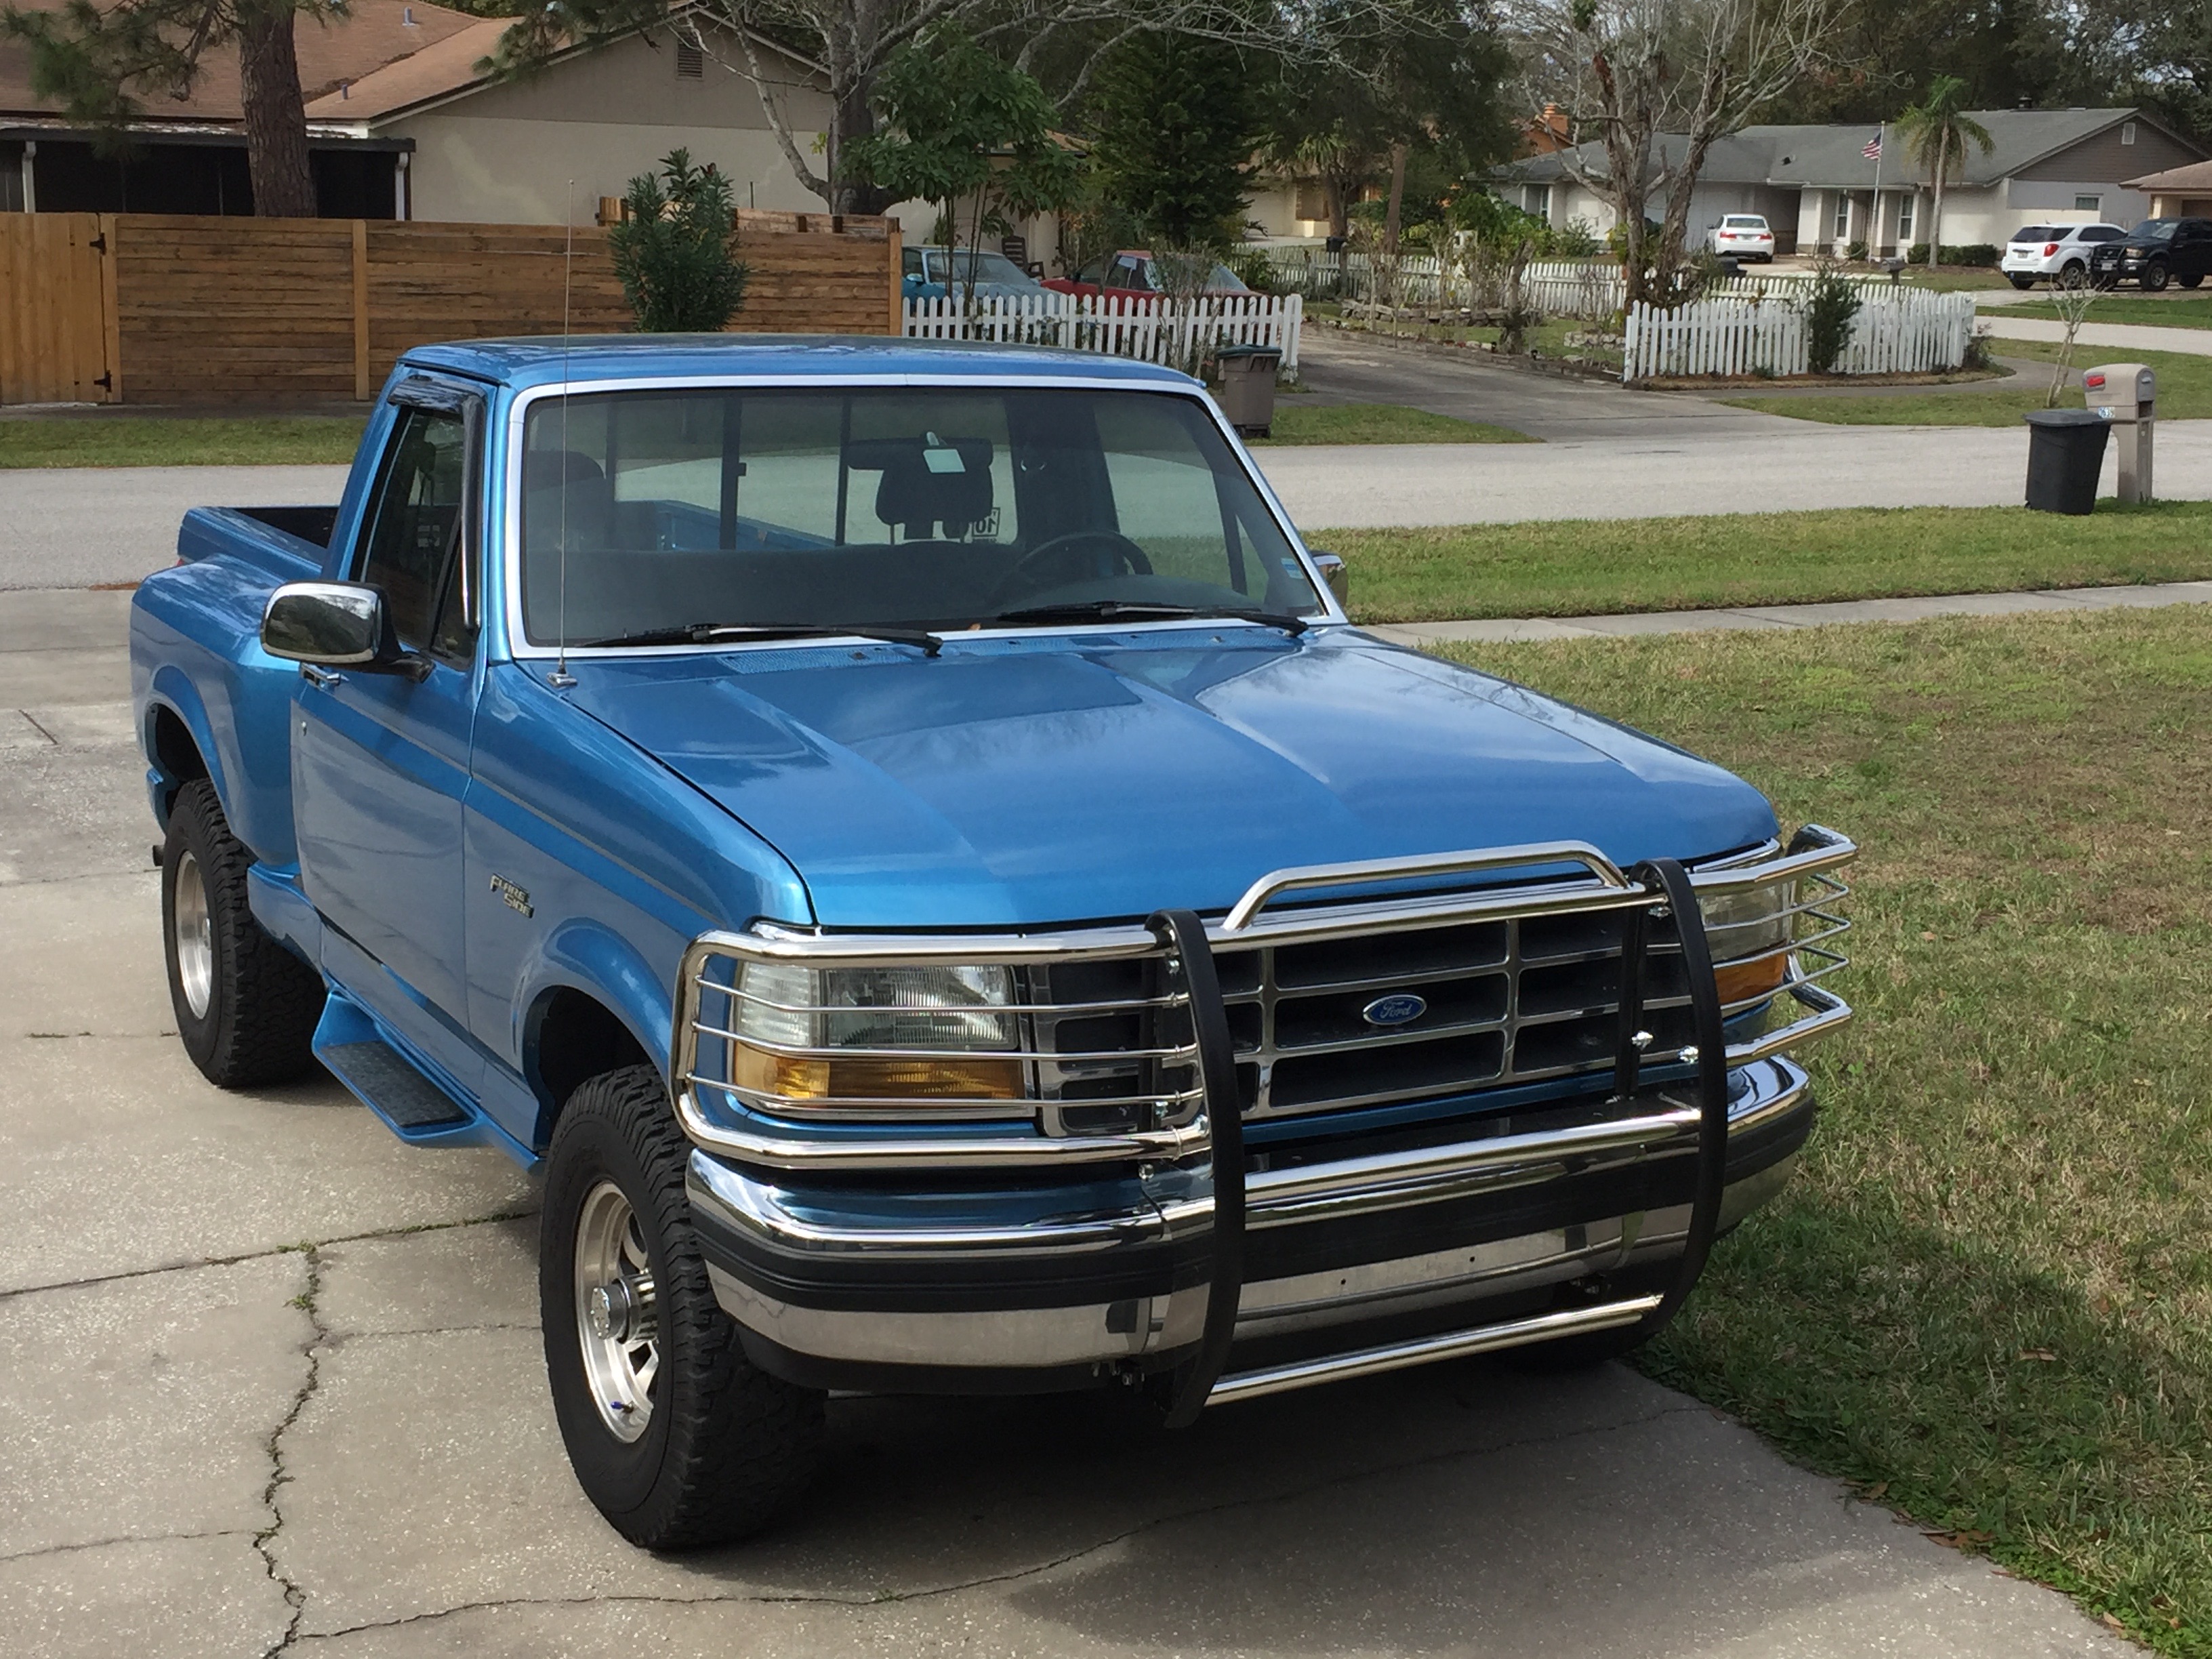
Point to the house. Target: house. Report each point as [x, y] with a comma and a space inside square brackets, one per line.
[404, 123]
[1818, 187]
[2178, 192]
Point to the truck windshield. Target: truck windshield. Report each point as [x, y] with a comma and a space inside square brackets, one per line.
[645, 512]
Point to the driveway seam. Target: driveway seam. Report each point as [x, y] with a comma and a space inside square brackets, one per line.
[1016, 1575]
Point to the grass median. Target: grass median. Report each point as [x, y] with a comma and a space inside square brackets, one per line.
[182, 441]
[2126, 308]
[1592, 567]
[1987, 1297]
[2185, 392]
[1378, 423]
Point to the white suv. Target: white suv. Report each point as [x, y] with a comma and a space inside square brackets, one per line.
[1742, 236]
[2058, 253]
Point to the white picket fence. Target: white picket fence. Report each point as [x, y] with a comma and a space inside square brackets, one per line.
[1177, 333]
[1589, 289]
[1897, 331]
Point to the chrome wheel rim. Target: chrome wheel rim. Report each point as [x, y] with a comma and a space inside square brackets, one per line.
[617, 1329]
[195, 930]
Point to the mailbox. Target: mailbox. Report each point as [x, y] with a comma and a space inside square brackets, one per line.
[2126, 394]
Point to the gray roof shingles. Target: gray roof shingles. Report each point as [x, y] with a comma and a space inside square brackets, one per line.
[1833, 155]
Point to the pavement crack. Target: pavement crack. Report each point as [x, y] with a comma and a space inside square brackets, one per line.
[123, 1537]
[295, 1598]
[38, 728]
[92, 1280]
[864, 1600]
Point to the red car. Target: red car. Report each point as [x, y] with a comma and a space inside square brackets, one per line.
[1131, 272]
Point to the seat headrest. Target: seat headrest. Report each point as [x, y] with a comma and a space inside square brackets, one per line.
[542, 469]
[926, 483]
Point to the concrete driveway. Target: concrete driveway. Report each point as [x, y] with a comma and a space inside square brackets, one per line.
[274, 1383]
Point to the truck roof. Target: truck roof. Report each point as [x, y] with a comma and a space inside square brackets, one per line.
[546, 360]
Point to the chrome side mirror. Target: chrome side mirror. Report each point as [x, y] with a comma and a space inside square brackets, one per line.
[1333, 573]
[334, 625]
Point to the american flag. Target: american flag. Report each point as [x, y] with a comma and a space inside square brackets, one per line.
[1873, 150]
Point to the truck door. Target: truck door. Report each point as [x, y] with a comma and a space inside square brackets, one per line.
[380, 762]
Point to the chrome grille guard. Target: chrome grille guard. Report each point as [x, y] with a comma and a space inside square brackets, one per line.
[1009, 1134]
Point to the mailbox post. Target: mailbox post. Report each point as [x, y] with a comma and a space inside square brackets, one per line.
[2125, 394]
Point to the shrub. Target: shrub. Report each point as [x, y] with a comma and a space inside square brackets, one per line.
[1575, 240]
[674, 249]
[1954, 254]
[1830, 304]
[1855, 250]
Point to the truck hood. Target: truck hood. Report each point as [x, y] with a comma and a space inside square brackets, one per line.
[1024, 781]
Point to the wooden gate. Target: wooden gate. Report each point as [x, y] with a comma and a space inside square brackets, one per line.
[58, 312]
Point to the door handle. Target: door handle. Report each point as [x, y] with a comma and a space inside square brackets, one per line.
[327, 679]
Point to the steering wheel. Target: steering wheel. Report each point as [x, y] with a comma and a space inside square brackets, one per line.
[1117, 555]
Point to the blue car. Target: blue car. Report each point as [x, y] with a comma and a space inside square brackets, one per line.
[934, 273]
[907, 842]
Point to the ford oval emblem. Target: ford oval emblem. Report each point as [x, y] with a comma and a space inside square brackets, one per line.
[1394, 1010]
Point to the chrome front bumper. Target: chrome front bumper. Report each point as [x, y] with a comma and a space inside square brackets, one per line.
[1082, 1282]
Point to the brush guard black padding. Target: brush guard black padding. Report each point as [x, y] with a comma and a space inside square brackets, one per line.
[1183, 935]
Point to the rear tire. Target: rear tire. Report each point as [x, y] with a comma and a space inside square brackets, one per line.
[2191, 281]
[677, 1439]
[246, 1006]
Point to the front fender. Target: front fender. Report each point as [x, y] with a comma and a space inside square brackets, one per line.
[587, 956]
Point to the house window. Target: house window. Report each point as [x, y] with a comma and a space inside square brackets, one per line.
[690, 61]
[1536, 199]
[2090, 205]
[2127, 133]
[1313, 200]
[1843, 230]
[1905, 204]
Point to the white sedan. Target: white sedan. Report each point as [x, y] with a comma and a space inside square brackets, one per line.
[1742, 236]
[2059, 253]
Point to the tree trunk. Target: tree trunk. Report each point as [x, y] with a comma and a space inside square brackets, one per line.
[276, 114]
[853, 119]
[1935, 211]
[1340, 207]
[1390, 217]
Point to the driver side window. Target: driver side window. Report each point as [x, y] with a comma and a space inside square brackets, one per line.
[416, 537]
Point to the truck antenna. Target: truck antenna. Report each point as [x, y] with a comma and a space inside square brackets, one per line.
[562, 679]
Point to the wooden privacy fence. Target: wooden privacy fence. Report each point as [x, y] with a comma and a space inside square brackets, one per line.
[1906, 331]
[194, 310]
[1178, 332]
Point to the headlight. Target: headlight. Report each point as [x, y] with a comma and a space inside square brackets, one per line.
[1750, 933]
[792, 1022]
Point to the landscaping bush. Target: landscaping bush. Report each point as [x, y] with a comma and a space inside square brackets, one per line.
[1831, 303]
[1855, 250]
[1952, 253]
[673, 249]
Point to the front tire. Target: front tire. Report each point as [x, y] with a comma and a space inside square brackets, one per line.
[246, 1006]
[2154, 276]
[677, 1439]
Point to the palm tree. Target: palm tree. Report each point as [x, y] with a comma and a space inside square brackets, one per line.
[1937, 133]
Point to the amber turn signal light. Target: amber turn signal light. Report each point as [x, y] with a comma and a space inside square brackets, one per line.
[826, 1078]
[1741, 981]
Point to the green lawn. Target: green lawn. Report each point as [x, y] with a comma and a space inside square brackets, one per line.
[1946, 279]
[1987, 1298]
[1380, 423]
[1591, 566]
[145, 440]
[2185, 392]
[2193, 313]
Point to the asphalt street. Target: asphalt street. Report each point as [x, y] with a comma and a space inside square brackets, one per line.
[68, 527]
[274, 1383]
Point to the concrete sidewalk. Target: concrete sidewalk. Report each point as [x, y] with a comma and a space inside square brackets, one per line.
[2145, 596]
[2102, 337]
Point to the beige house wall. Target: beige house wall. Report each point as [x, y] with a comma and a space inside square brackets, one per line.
[545, 149]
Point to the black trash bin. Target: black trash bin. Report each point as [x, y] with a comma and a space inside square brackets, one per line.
[1247, 392]
[2065, 451]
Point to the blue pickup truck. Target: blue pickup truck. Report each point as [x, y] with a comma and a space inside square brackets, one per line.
[908, 841]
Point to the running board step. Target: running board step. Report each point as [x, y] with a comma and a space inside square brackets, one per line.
[395, 1089]
[1426, 1350]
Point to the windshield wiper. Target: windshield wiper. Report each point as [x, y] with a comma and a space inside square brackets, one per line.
[710, 633]
[1146, 611]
